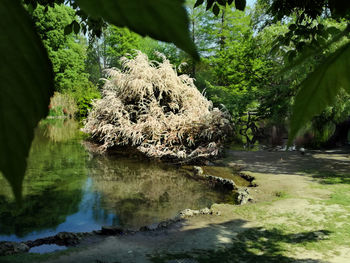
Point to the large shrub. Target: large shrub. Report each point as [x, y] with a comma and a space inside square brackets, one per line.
[148, 106]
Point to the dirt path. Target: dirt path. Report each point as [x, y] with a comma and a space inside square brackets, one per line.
[293, 220]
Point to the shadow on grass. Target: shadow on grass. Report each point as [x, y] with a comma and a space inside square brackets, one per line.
[326, 177]
[329, 167]
[252, 245]
[227, 242]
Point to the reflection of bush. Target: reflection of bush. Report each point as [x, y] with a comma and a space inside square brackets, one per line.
[59, 130]
[52, 187]
[143, 192]
[62, 105]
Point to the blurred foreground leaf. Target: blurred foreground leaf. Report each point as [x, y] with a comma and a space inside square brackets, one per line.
[160, 19]
[320, 88]
[25, 89]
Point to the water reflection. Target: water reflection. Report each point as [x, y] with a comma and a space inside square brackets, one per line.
[66, 190]
[146, 192]
[53, 188]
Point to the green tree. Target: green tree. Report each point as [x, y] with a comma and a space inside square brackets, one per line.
[66, 52]
[119, 42]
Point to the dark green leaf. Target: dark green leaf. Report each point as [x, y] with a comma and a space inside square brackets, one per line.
[292, 27]
[161, 19]
[229, 2]
[221, 2]
[209, 4]
[240, 4]
[68, 29]
[339, 8]
[198, 3]
[25, 89]
[320, 89]
[76, 27]
[216, 9]
[290, 55]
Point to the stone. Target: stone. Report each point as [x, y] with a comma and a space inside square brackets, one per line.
[153, 227]
[195, 212]
[186, 213]
[242, 196]
[111, 230]
[223, 182]
[66, 238]
[205, 211]
[10, 248]
[198, 171]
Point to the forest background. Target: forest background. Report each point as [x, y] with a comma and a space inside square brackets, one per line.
[242, 54]
[239, 69]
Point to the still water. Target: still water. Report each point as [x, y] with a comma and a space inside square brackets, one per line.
[66, 188]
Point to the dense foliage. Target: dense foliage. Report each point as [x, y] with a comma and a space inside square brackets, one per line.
[68, 53]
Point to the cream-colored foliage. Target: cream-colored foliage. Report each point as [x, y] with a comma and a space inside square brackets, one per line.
[148, 106]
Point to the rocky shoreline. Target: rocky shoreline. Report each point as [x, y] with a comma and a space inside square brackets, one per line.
[241, 196]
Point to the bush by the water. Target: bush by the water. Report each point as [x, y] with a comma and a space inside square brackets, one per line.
[148, 106]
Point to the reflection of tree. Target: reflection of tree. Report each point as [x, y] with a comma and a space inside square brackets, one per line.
[52, 187]
[144, 192]
[45, 210]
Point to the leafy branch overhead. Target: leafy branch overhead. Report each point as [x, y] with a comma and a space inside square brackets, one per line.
[160, 19]
[215, 4]
[309, 38]
[26, 88]
[320, 88]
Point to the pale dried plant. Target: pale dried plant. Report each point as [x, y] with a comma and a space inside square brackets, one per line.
[148, 106]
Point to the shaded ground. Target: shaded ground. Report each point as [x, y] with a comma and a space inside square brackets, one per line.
[301, 214]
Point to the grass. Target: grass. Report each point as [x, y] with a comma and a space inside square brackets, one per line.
[323, 231]
[253, 245]
[281, 194]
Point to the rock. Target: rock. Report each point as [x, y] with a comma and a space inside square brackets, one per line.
[164, 224]
[223, 182]
[205, 211]
[153, 227]
[196, 212]
[186, 213]
[144, 228]
[66, 239]
[198, 171]
[10, 248]
[111, 230]
[242, 196]
[97, 232]
[247, 177]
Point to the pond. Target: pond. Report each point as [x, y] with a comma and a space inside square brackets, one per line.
[66, 188]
